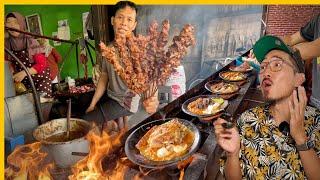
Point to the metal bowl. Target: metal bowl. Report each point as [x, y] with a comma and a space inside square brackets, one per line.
[134, 155]
[186, 103]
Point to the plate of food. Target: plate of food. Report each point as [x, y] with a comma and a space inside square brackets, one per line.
[204, 106]
[162, 143]
[221, 88]
[232, 76]
[244, 67]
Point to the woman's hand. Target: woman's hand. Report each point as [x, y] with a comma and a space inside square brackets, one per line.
[228, 139]
[18, 77]
[297, 110]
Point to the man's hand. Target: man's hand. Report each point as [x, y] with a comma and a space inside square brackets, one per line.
[151, 104]
[18, 77]
[297, 110]
[90, 108]
[293, 39]
[228, 139]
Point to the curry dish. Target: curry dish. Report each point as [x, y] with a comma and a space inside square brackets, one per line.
[166, 141]
[224, 88]
[244, 67]
[232, 76]
[205, 106]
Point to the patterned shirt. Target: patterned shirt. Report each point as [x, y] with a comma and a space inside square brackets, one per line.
[267, 153]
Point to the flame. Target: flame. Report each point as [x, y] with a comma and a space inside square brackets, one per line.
[27, 162]
[144, 173]
[182, 165]
[102, 145]
[106, 146]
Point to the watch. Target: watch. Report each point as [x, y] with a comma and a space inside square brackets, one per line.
[305, 146]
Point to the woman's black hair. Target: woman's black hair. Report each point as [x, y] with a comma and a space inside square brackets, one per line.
[112, 12]
[123, 4]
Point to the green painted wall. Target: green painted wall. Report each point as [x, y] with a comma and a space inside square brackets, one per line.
[50, 15]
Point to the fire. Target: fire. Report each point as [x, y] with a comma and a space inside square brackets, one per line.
[180, 169]
[28, 162]
[104, 161]
[102, 146]
[182, 165]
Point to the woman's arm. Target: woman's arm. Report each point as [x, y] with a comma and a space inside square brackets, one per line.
[56, 55]
[38, 67]
[40, 64]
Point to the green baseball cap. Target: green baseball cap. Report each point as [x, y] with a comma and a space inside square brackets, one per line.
[268, 43]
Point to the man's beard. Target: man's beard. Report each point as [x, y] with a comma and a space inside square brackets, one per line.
[270, 101]
[274, 100]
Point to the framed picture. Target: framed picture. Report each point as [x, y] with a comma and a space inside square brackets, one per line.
[84, 23]
[34, 24]
[55, 35]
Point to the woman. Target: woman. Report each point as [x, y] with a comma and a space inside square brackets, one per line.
[53, 58]
[29, 52]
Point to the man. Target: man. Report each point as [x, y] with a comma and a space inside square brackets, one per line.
[121, 101]
[262, 148]
[307, 41]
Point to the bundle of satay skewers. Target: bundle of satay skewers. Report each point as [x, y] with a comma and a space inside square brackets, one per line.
[145, 62]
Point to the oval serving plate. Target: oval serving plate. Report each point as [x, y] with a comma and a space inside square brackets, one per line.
[134, 155]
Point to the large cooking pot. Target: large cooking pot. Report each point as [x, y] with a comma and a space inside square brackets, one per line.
[62, 151]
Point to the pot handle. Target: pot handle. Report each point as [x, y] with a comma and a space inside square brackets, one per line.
[79, 153]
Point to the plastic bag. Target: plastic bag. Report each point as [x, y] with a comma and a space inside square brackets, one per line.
[20, 87]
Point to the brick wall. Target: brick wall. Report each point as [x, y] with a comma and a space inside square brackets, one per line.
[287, 19]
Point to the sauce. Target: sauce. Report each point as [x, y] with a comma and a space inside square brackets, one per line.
[62, 137]
[151, 153]
[189, 138]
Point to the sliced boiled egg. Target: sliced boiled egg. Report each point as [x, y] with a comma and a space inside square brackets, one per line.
[211, 108]
[162, 152]
[180, 148]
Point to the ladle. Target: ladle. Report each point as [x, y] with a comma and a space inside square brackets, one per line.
[68, 117]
